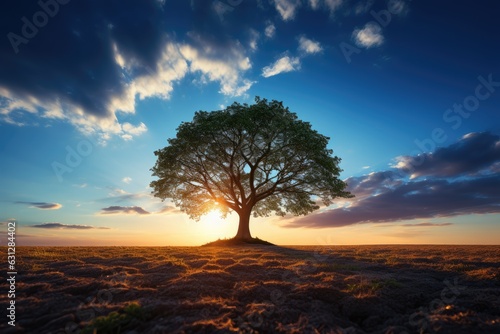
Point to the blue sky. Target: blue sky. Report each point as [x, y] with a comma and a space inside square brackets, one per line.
[408, 92]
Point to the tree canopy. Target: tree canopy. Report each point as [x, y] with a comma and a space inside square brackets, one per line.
[257, 158]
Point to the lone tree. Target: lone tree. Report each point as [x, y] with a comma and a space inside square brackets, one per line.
[256, 159]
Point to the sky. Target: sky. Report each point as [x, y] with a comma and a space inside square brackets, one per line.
[407, 91]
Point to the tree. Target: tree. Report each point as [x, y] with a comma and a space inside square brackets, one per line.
[248, 159]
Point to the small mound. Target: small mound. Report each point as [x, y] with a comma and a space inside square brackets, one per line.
[237, 242]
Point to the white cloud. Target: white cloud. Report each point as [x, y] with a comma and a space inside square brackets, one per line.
[226, 71]
[177, 60]
[171, 67]
[270, 30]
[397, 7]
[331, 5]
[134, 130]
[287, 8]
[127, 179]
[254, 38]
[220, 8]
[369, 36]
[117, 192]
[282, 65]
[363, 7]
[309, 46]
[314, 4]
[127, 137]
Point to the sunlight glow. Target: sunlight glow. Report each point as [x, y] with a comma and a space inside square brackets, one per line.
[213, 217]
[213, 226]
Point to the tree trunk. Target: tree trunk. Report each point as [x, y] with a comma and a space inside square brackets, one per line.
[244, 225]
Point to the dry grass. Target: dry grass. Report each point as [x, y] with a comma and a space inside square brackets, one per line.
[258, 289]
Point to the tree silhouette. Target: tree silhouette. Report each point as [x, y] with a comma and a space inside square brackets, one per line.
[256, 159]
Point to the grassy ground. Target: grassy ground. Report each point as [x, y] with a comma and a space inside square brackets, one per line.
[257, 289]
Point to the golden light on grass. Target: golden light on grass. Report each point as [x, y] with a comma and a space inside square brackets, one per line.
[192, 289]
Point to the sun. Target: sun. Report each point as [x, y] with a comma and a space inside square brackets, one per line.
[213, 217]
[214, 227]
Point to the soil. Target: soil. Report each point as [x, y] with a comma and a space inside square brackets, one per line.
[257, 289]
[237, 242]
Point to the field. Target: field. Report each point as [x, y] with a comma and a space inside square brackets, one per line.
[257, 289]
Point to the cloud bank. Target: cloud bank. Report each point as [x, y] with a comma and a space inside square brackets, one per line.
[127, 210]
[68, 226]
[92, 61]
[282, 65]
[460, 179]
[43, 205]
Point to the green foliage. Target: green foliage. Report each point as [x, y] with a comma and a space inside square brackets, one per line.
[256, 158]
[118, 322]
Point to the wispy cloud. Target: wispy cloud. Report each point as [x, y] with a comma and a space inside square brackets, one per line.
[68, 226]
[225, 69]
[309, 46]
[89, 94]
[129, 130]
[287, 8]
[481, 149]
[448, 183]
[314, 4]
[363, 7]
[270, 30]
[369, 36]
[115, 191]
[398, 7]
[254, 39]
[331, 5]
[127, 179]
[42, 205]
[168, 209]
[427, 224]
[127, 210]
[118, 195]
[282, 65]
